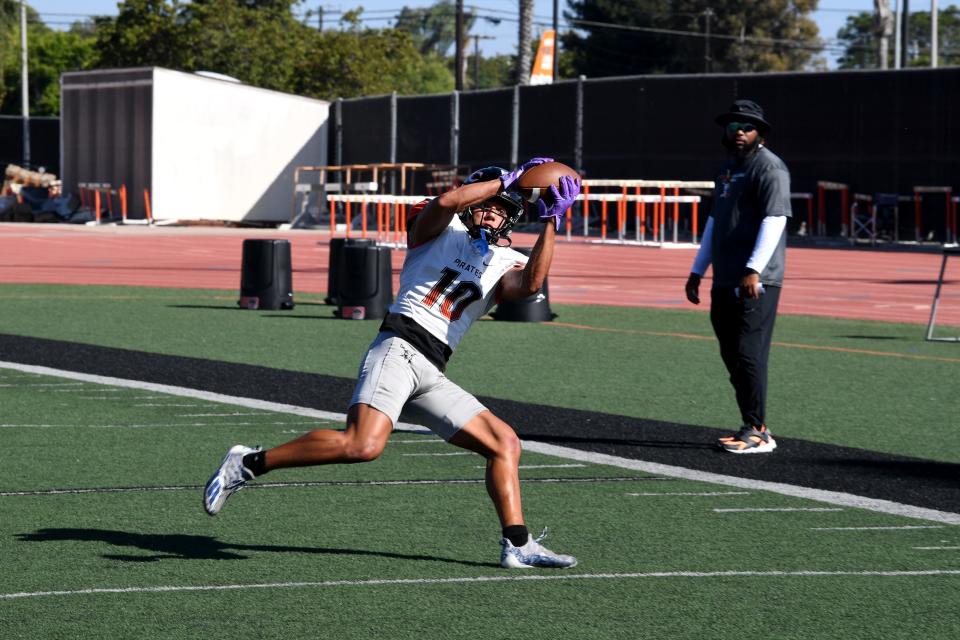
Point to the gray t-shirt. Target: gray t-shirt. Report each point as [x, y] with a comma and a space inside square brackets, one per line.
[746, 192]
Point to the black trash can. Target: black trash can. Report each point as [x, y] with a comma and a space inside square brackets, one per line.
[333, 269]
[266, 279]
[364, 282]
[535, 308]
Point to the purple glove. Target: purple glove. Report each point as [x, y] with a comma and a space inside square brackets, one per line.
[509, 178]
[561, 200]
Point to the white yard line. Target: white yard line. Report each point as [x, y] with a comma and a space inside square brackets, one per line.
[774, 509]
[692, 493]
[902, 528]
[445, 453]
[937, 548]
[820, 495]
[487, 580]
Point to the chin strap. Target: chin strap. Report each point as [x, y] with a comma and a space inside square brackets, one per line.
[481, 244]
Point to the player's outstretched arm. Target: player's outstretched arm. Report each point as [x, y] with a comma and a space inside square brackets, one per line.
[522, 283]
[438, 213]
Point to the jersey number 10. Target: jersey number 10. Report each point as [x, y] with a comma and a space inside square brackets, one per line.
[454, 301]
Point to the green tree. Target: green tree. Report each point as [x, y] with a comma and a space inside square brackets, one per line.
[861, 51]
[625, 37]
[369, 62]
[434, 28]
[50, 53]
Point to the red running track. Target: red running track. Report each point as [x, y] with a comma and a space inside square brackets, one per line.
[845, 283]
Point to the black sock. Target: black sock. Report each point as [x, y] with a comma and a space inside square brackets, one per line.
[517, 534]
[255, 463]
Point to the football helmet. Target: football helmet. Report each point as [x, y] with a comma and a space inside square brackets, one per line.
[509, 200]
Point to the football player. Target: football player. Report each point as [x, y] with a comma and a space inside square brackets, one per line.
[458, 265]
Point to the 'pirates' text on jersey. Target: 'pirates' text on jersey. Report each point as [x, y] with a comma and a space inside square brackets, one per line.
[446, 284]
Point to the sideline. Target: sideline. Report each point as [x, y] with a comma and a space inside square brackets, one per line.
[654, 468]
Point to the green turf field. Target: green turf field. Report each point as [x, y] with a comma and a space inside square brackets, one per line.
[102, 534]
[862, 384]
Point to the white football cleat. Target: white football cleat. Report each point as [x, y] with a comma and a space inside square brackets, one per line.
[533, 555]
[229, 478]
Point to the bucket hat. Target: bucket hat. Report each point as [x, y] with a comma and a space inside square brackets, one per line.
[745, 111]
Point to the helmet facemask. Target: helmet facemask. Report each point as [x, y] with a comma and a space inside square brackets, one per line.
[512, 203]
[509, 208]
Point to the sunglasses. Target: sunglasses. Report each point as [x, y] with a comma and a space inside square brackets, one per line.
[746, 127]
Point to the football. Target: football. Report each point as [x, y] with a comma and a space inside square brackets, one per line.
[544, 175]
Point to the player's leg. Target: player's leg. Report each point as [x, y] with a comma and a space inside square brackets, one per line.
[383, 385]
[363, 440]
[460, 419]
[497, 442]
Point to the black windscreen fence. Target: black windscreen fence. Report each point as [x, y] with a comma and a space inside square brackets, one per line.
[44, 143]
[548, 118]
[423, 129]
[877, 131]
[366, 131]
[486, 121]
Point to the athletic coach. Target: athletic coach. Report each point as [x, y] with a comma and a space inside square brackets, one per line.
[745, 240]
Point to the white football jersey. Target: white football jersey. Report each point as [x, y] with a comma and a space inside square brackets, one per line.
[446, 284]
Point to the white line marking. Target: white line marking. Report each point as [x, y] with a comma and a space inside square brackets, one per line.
[487, 579]
[830, 497]
[152, 426]
[937, 548]
[692, 493]
[166, 404]
[425, 441]
[452, 453]
[876, 528]
[777, 509]
[44, 384]
[216, 415]
[545, 466]
[319, 483]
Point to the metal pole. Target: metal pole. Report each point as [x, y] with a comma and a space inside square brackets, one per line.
[455, 128]
[933, 34]
[578, 136]
[476, 62]
[515, 128]
[897, 38]
[393, 127]
[905, 34]
[556, 38]
[24, 85]
[459, 47]
[338, 124]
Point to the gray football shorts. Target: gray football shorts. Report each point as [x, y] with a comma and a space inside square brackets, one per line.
[397, 379]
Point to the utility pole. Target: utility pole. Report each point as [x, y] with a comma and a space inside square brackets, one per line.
[933, 34]
[320, 18]
[24, 86]
[524, 42]
[458, 59]
[884, 29]
[905, 35]
[556, 38]
[707, 60]
[476, 58]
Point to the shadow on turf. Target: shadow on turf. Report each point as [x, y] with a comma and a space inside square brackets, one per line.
[189, 547]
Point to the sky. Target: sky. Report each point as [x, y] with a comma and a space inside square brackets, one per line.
[494, 39]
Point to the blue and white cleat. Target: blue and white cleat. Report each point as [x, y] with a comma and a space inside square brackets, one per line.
[229, 478]
[533, 555]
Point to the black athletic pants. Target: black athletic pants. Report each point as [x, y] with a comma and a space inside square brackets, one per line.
[744, 327]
